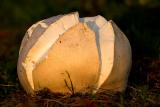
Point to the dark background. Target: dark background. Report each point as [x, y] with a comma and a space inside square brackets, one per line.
[138, 19]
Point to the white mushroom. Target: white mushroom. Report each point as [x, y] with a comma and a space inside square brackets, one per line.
[65, 51]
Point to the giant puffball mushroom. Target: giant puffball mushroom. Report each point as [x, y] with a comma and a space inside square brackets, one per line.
[66, 53]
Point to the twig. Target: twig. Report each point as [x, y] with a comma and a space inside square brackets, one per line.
[107, 92]
[72, 88]
[67, 85]
[6, 85]
[59, 102]
[52, 100]
[135, 89]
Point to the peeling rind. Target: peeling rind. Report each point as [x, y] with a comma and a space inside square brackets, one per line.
[117, 80]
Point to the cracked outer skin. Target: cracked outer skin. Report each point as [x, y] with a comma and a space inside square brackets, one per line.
[75, 52]
[117, 80]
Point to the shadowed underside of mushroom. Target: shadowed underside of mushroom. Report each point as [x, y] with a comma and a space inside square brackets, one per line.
[64, 52]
